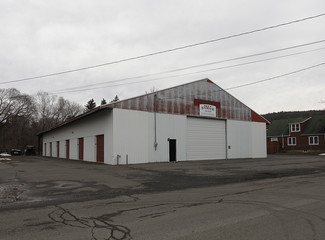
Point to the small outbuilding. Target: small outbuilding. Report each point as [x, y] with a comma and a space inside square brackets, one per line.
[193, 121]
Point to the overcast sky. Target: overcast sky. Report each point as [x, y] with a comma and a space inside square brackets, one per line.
[39, 37]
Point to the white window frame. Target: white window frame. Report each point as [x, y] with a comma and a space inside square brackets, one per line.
[295, 127]
[292, 141]
[311, 140]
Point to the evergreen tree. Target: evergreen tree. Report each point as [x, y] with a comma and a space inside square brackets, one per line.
[115, 99]
[90, 105]
[103, 102]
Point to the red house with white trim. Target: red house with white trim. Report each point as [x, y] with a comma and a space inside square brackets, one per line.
[304, 133]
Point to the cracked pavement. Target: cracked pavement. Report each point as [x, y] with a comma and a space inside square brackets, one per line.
[281, 197]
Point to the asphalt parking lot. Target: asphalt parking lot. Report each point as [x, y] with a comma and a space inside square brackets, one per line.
[66, 199]
[36, 180]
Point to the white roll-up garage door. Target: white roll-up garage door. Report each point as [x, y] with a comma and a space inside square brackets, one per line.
[206, 139]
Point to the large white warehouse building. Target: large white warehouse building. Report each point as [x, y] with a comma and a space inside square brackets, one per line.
[194, 121]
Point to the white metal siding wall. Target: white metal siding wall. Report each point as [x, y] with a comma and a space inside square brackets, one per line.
[88, 128]
[206, 139]
[168, 126]
[89, 149]
[239, 139]
[54, 149]
[62, 149]
[108, 139]
[246, 139]
[74, 151]
[130, 136]
[258, 140]
[134, 136]
[133, 132]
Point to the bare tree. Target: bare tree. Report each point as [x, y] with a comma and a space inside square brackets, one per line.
[45, 104]
[52, 110]
[16, 111]
[152, 90]
[14, 104]
[22, 117]
[66, 110]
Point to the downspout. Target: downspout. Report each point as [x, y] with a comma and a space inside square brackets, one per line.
[155, 119]
[226, 136]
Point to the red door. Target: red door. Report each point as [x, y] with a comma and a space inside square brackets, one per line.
[50, 149]
[81, 148]
[58, 149]
[67, 148]
[100, 148]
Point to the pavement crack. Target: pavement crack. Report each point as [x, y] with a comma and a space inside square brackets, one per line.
[61, 215]
[102, 227]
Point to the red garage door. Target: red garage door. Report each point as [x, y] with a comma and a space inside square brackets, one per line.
[67, 148]
[100, 148]
[50, 149]
[81, 148]
[58, 149]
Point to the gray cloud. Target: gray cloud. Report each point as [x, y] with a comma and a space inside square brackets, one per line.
[40, 37]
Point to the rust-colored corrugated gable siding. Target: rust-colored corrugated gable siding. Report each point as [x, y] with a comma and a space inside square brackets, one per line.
[185, 100]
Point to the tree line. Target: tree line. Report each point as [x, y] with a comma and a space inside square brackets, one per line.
[23, 116]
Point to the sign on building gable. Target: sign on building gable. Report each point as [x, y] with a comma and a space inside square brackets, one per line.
[208, 110]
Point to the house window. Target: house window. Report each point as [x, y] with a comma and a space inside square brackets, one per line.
[275, 139]
[291, 141]
[295, 127]
[313, 140]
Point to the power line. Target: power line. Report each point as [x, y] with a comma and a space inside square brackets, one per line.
[193, 66]
[83, 88]
[279, 76]
[168, 50]
[263, 80]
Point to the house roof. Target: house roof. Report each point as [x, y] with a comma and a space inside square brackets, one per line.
[280, 127]
[315, 125]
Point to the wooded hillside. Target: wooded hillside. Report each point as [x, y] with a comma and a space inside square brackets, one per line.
[294, 114]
